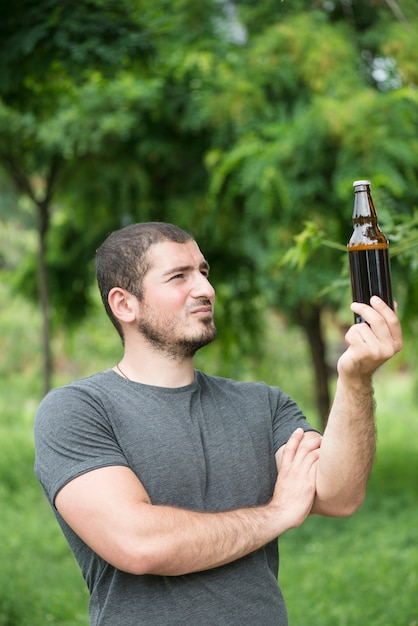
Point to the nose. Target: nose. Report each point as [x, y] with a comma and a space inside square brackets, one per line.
[202, 288]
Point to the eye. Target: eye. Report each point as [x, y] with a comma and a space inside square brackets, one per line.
[177, 277]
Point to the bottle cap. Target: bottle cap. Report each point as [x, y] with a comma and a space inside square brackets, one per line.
[361, 182]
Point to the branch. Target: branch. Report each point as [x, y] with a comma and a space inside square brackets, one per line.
[51, 178]
[23, 182]
[19, 177]
[397, 11]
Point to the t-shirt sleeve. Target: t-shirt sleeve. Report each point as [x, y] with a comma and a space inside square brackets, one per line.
[287, 416]
[72, 436]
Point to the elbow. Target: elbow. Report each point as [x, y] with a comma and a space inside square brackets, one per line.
[339, 506]
[347, 509]
[145, 559]
[354, 504]
[138, 563]
[131, 556]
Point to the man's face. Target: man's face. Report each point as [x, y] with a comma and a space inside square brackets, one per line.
[176, 312]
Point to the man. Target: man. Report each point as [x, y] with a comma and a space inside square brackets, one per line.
[172, 486]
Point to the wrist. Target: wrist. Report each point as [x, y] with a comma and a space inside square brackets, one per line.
[356, 378]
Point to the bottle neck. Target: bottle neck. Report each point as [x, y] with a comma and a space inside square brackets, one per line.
[364, 210]
[366, 231]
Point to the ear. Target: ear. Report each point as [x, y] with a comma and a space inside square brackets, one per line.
[123, 304]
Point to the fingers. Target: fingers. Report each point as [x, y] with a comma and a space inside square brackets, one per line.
[372, 343]
[300, 444]
[295, 487]
[383, 323]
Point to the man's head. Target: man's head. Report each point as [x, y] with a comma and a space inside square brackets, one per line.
[162, 267]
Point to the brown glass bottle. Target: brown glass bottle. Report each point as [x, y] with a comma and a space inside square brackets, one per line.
[368, 251]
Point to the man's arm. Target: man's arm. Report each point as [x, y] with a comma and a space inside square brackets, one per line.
[111, 512]
[348, 444]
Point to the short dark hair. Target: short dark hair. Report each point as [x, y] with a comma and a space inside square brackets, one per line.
[122, 259]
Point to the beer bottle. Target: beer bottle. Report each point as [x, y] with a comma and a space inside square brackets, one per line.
[368, 251]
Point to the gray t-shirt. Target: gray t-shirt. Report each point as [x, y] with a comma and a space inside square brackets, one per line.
[208, 446]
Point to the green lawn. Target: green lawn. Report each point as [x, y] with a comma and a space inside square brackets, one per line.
[360, 571]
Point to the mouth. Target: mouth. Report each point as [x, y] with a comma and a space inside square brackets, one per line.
[202, 310]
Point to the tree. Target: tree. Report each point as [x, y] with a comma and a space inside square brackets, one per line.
[49, 50]
[324, 104]
[96, 125]
[245, 123]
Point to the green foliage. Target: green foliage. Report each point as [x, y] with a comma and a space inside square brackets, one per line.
[320, 125]
[241, 122]
[55, 37]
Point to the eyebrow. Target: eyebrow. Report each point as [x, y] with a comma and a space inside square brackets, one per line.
[204, 265]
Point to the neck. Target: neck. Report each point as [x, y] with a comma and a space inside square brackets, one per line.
[151, 368]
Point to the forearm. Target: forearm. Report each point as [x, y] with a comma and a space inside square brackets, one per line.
[175, 541]
[179, 541]
[347, 449]
[110, 510]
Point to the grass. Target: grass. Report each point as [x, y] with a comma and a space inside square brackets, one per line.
[39, 580]
[360, 571]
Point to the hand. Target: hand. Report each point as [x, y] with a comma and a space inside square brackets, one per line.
[372, 342]
[295, 487]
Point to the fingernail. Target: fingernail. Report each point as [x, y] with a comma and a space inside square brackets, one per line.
[375, 300]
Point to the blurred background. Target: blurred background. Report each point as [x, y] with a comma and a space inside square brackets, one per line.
[245, 123]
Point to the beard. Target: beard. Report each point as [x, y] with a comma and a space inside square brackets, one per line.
[171, 339]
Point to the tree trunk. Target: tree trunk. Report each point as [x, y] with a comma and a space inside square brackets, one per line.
[44, 295]
[309, 318]
[24, 185]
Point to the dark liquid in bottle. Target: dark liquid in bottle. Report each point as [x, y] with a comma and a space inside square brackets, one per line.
[370, 275]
